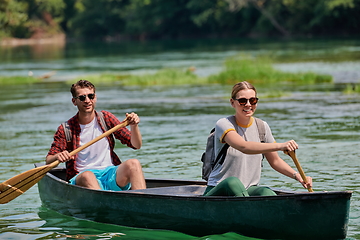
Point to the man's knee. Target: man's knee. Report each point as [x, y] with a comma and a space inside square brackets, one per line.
[87, 175]
[128, 169]
[133, 164]
[86, 179]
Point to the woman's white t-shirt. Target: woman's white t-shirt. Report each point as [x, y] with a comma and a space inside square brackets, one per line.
[246, 167]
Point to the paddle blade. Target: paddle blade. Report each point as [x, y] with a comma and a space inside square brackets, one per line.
[15, 186]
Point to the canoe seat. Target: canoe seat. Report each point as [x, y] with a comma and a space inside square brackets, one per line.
[186, 190]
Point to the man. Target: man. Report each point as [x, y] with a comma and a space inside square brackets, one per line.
[97, 166]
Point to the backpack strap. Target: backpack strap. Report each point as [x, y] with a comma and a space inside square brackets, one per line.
[261, 128]
[222, 154]
[105, 126]
[67, 135]
[102, 121]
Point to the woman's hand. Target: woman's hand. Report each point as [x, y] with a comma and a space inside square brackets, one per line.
[289, 146]
[308, 183]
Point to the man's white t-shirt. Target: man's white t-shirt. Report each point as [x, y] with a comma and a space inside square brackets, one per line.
[96, 156]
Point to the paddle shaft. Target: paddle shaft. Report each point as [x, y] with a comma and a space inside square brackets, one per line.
[18, 184]
[299, 168]
[105, 134]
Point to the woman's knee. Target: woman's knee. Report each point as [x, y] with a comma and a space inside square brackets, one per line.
[234, 187]
[261, 191]
[233, 182]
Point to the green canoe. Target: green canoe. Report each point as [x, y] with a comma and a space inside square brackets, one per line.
[179, 205]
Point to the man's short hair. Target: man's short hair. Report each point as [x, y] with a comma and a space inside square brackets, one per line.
[81, 84]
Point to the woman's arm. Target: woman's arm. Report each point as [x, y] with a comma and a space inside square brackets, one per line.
[282, 167]
[247, 147]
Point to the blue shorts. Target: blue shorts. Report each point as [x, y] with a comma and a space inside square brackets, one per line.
[106, 179]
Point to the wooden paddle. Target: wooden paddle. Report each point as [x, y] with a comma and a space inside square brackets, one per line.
[15, 186]
[299, 168]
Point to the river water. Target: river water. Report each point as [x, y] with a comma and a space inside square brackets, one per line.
[175, 121]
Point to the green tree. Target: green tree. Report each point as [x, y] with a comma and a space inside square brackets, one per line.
[314, 17]
[302, 17]
[44, 17]
[97, 19]
[169, 19]
[158, 18]
[13, 16]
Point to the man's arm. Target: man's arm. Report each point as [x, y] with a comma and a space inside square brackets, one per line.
[61, 156]
[136, 138]
[58, 148]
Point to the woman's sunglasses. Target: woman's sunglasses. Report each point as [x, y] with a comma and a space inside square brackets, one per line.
[82, 98]
[243, 101]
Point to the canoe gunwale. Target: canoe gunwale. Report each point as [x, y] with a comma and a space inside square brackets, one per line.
[144, 193]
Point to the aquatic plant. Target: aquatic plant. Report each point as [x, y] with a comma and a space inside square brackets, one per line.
[240, 68]
[165, 77]
[261, 71]
[168, 76]
[103, 78]
[352, 89]
[16, 80]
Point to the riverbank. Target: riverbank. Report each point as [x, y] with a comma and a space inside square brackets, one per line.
[12, 42]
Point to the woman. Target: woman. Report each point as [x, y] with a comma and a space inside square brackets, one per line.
[239, 174]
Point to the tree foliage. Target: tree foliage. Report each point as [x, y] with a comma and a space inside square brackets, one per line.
[30, 18]
[154, 19]
[12, 16]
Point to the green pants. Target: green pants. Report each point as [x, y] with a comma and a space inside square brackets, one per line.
[232, 186]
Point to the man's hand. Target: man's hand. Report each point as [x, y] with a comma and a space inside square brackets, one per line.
[133, 118]
[63, 156]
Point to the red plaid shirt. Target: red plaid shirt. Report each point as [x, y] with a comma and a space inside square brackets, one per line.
[59, 144]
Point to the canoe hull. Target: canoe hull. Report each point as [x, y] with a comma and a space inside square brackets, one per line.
[179, 206]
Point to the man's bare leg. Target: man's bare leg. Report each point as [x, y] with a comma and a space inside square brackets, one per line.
[87, 179]
[130, 171]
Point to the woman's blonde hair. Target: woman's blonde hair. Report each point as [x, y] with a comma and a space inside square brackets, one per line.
[241, 86]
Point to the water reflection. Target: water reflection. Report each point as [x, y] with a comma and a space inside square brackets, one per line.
[64, 227]
[338, 57]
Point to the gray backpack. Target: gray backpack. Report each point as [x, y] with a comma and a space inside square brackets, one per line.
[208, 157]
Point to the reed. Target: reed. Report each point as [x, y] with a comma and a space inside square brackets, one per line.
[260, 71]
[162, 77]
[17, 80]
[103, 78]
[166, 77]
[240, 68]
[352, 89]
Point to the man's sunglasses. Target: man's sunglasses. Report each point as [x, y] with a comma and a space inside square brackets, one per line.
[82, 98]
[243, 101]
